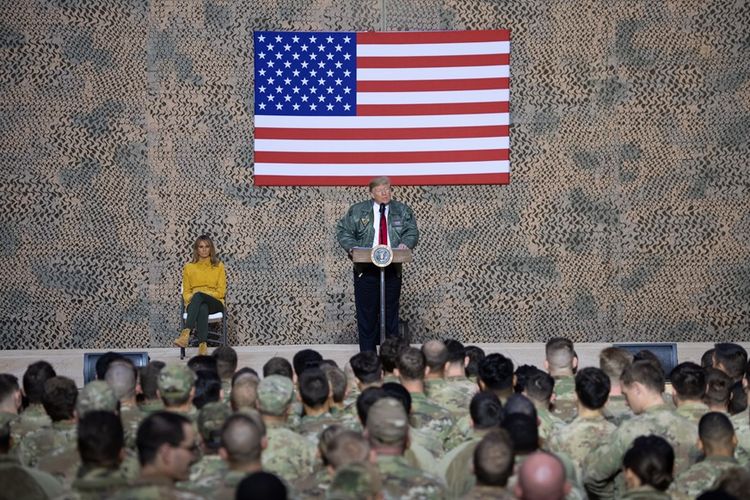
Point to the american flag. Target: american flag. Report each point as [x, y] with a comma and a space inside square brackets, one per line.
[421, 107]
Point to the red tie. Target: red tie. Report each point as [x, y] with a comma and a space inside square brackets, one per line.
[383, 234]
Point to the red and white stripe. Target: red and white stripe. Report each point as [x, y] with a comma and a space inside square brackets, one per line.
[432, 108]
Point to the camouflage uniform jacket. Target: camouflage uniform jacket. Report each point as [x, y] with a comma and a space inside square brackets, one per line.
[205, 475]
[693, 411]
[346, 419]
[459, 433]
[451, 397]
[402, 481]
[288, 455]
[488, 492]
[154, 489]
[645, 493]
[63, 464]
[311, 426]
[579, 437]
[427, 440]
[226, 387]
[31, 419]
[742, 431]
[428, 415]
[313, 486]
[46, 441]
[617, 410]
[131, 417]
[565, 398]
[151, 406]
[11, 468]
[700, 477]
[603, 464]
[457, 466]
[548, 423]
[96, 483]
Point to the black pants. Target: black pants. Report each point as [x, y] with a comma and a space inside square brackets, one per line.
[200, 306]
[367, 301]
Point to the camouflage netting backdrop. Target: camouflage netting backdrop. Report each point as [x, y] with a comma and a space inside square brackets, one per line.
[127, 131]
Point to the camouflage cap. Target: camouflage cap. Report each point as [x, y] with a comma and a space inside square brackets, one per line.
[275, 392]
[354, 481]
[387, 421]
[175, 381]
[96, 395]
[211, 418]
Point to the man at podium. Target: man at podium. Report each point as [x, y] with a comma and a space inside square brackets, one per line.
[377, 221]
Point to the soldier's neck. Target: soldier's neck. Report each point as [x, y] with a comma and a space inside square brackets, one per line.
[246, 467]
[584, 412]
[434, 375]
[413, 386]
[454, 370]
[316, 412]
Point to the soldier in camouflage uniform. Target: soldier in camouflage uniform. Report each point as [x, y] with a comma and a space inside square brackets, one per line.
[64, 462]
[100, 445]
[149, 400]
[647, 467]
[717, 441]
[122, 377]
[166, 449]
[613, 361]
[486, 414]
[288, 454]
[176, 389]
[561, 362]
[388, 433]
[688, 388]
[208, 473]
[436, 387]
[424, 413]
[314, 391]
[33, 417]
[359, 480]
[10, 401]
[642, 384]
[59, 401]
[18, 481]
[243, 438]
[493, 461]
[244, 390]
[455, 373]
[539, 387]
[389, 352]
[226, 365]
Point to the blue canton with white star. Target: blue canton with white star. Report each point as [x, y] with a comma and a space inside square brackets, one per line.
[305, 74]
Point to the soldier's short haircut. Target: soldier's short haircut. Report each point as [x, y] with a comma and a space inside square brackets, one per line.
[207, 388]
[614, 360]
[688, 380]
[475, 355]
[244, 393]
[389, 351]
[8, 386]
[651, 458]
[733, 483]
[102, 363]
[522, 374]
[649, 357]
[456, 351]
[346, 447]
[494, 458]
[149, 376]
[226, 361]
[366, 367]
[646, 374]
[100, 439]
[366, 399]
[524, 432]
[718, 387]
[278, 366]
[241, 437]
[159, 428]
[733, 358]
[203, 362]
[496, 372]
[411, 364]
[324, 439]
[592, 387]
[313, 387]
[399, 393]
[4, 438]
[539, 386]
[245, 372]
[715, 431]
[737, 398]
[435, 355]
[122, 377]
[707, 359]
[305, 359]
[560, 353]
[518, 403]
[261, 485]
[486, 410]
[337, 380]
[59, 398]
[34, 377]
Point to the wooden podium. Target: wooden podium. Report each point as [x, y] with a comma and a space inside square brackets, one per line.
[382, 256]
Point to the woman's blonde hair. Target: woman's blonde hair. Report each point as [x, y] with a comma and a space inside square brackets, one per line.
[212, 255]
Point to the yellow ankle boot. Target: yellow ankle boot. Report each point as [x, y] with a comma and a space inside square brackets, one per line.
[202, 349]
[183, 339]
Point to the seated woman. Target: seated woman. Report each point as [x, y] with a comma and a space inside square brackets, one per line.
[204, 284]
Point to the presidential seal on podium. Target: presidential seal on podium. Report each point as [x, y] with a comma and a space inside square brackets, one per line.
[381, 255]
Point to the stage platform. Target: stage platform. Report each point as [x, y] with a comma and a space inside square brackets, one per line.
[69, 362]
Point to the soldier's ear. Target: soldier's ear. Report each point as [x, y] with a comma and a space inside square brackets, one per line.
[263, 442]
[466, 361]
[396, 372]
[224, 454]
